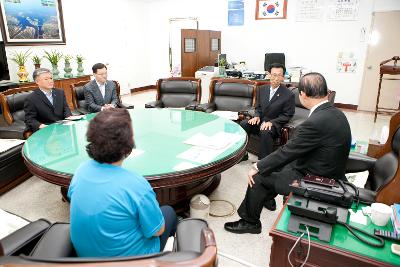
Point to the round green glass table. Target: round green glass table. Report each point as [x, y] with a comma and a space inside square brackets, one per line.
[176, 170]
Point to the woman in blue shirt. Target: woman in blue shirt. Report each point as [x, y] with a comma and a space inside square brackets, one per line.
[114, 212]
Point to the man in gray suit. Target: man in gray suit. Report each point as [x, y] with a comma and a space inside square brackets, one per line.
[100, 94]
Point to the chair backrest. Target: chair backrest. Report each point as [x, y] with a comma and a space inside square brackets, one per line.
[78, 96]
[179, 92]
[271, 58]
[232, 94]
[12, 103]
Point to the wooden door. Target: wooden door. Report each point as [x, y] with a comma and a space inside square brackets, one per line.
[199, 48]
[385, 43]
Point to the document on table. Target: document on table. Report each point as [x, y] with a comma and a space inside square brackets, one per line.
[230, 115]
[6, 144]
[206, 148]
[218, 141]
[184, 166]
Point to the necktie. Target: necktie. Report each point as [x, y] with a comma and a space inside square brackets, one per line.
[271, 94]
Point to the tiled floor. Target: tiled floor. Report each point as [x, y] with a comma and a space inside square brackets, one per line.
[38, 199]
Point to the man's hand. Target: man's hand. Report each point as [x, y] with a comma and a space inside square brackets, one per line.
[266, 125]
[254, 121]
[41, 126]
[253, 171]
[107, 106]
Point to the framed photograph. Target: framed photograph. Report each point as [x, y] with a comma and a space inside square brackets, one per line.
[32, 22]
[271, 9]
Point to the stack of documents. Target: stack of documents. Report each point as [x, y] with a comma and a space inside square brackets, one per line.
[205, 148]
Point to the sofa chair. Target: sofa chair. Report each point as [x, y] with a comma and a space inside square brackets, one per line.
[177, 92]
[300, 115]
[230, 95]
[12, 105]
[383, 183]
[194, 246]
[78, 97]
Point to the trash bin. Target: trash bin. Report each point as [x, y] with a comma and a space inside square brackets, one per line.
[199, 207]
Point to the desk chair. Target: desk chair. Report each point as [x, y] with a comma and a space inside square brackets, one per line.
[383, 183]
[194, 246]
[271, 58]
[177, 92]
[231, 95]
[12, 104]
[78, 97]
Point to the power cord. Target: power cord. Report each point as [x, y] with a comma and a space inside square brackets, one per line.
[352, 228]
[297, 241]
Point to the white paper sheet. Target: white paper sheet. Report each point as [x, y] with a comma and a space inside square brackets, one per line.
[6, 144]
[230, 115]
[135, 153]
[218, 141]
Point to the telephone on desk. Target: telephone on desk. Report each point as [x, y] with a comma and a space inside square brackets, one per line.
[255, 75]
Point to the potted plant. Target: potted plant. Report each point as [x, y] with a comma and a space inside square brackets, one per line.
[54, 57]
[79, 60]
[221, 65]
[20, 58]
[67, 67]
[37, 61]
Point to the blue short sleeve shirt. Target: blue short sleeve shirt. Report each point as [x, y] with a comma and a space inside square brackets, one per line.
[114, 212]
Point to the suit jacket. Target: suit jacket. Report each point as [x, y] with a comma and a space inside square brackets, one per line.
[94, 99]
[279, 110]
[320, 146]
[39, 110]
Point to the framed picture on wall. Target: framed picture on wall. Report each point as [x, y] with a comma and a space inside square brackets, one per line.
[32, 22]
[271, 9]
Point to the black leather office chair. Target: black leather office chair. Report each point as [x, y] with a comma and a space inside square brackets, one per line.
[271, 58]
[177, 92]
[12, 104]
[383, 183]
[78, 97]
[230, 95]
[194, 246]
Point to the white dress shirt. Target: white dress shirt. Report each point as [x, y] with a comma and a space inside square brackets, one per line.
[102, 88]
[315, 107]
[272, 91]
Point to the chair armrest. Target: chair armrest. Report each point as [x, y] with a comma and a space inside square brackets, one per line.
[207, 107]
[154, 104]
[23, 237]
[192, 106]
[14, 131]
[123, 105]
[248, 113]
[189, 235]
[358, 162]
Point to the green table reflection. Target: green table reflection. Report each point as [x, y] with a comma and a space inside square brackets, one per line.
[55, 152]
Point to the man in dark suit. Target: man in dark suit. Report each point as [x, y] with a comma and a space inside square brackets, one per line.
[100, 94]
[275, 106]
[319, 147]
[45, 105]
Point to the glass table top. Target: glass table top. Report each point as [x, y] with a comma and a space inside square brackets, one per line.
[159, 136]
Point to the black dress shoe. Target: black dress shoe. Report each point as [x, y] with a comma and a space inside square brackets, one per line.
[245, 157]
[270, 204]
[243, 227]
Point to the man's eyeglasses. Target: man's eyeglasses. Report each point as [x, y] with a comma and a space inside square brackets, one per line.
[274, 75]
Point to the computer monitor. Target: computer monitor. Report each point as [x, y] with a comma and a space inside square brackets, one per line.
[4, 72]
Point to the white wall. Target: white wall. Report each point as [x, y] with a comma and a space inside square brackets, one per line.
[313, 45]
[111, 32]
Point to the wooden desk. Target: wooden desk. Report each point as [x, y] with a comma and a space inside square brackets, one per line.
[343, 249]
